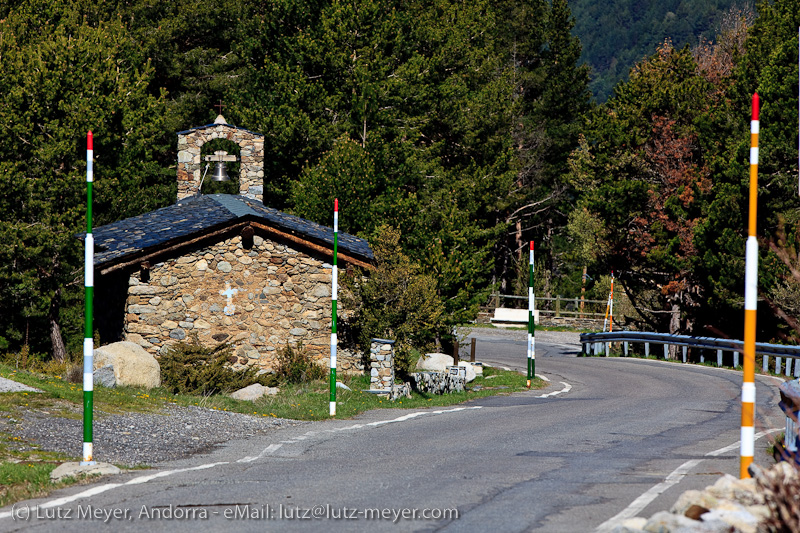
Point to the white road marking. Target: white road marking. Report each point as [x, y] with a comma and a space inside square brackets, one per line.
[673, 478]
[566, 389]
[108, 486]
[266, 451]
[248, 459]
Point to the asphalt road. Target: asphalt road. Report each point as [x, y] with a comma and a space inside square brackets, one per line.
[609, 433]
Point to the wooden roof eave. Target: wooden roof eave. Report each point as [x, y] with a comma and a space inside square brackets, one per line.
[152, 254]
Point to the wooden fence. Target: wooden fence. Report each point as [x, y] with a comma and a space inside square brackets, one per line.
[558, 306]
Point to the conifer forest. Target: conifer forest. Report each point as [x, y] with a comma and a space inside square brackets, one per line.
[463, 130]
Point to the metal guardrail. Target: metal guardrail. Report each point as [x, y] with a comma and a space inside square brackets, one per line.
[598, 343]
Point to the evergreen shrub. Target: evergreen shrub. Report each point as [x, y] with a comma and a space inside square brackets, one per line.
[296, 366]
[191, 368]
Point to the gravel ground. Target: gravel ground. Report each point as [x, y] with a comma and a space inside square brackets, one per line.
[7, 385]
[140, 438]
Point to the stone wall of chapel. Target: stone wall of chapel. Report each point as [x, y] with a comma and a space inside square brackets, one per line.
[260, 299]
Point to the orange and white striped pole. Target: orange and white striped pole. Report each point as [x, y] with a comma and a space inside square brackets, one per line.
[610, 307]
[750, 297]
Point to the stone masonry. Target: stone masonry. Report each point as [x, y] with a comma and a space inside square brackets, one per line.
[259, 298]
[190, 164]
[381, 367]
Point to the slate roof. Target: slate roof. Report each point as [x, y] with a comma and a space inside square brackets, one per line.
[214, 125]
[199, 214]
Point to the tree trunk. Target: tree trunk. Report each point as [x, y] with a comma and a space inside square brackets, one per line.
[57, 341]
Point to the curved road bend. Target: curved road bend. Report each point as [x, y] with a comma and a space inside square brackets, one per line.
[634, 423]
[566, 463]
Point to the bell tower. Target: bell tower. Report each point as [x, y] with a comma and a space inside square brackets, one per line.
[191, 166]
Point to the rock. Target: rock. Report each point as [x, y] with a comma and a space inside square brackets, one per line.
[133, 366]
[695, 512]
[730, 504]
[666, 522]
[320, 290]
[138, 339]
[631, 525]
[729, 487]
[76, 470]
[734, 515]
[340, 385]
[436, 362]
[105, 376]
[713, 526]
[251, 393]
[694, 498]
[271, 391]
[400, 391]
[470, 370]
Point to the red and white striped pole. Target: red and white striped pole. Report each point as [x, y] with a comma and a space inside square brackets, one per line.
[750, 297]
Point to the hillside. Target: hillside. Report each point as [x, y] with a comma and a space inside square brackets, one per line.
[615, 34]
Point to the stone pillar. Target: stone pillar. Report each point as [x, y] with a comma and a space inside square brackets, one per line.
[381, 365]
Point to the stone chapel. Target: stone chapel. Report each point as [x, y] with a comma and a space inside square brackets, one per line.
[221, 267]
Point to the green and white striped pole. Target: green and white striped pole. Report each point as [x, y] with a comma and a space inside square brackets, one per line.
[88, 343]
[531, 324]
[334, 294]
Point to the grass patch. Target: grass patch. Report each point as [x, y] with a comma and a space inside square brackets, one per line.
[25, 469]
[310, 401]
[301, 401]
[26, 480]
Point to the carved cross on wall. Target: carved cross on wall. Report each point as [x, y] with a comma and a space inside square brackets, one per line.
[230, 308]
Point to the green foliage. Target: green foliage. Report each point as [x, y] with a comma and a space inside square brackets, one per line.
[395, 301]
[346, 172]
[296, 366]
[458, 123]
[446, 119]
[665, 168]
[65, 78]
[616, 35]
[191, 368]
[649, 183]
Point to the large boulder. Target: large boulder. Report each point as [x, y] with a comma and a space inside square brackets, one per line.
[478, 368]
[470, 370]
[133, 365]
[254, 392]
[105, 376]
[251, 393]
[436, 362]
